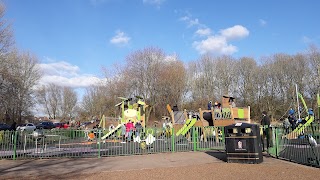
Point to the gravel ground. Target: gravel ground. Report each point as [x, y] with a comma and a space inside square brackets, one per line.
[216, 171]
[187, 165]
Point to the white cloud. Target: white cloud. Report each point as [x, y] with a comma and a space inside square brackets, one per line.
[194, 22]
[203, 32]
[62, 68]
[191, 22]
[65, 74]
[220, 43]
[262, 22]
[79, 81]
[215, 45]
[171, 58]
[184, 18]
[120, 39]
[97, 2]
[235, 32]
[154, 2]
[306, 40]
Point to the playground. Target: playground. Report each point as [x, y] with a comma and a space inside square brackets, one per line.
[184, 165]
[183, 131]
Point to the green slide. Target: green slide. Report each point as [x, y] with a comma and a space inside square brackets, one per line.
[186, 127]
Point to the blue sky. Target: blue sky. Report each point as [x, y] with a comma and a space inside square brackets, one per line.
[74, 38]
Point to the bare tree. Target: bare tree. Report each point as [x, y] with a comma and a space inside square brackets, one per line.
[225, 75]
[142, 72]
[6, 34]
[42, 98]
[313, 74]
[21, 75]
[171, 86]
[69, 101]
[246, 70]
[50, 97]
[94, 101]
[6, 43]
[264, 85]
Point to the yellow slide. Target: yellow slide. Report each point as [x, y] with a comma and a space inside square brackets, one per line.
[111, 132]
[186, 127]
[298, 130]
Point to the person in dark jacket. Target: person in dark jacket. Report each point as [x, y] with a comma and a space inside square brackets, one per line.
[265, 119]
[175, 108]
[209, 105]
[265, 122]
[138, 128]
[292, 119]
[13, 126]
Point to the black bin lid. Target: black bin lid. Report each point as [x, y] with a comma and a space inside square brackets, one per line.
[241, 129]
[240, 125]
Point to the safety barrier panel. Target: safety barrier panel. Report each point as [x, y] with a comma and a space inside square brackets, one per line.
[284, 143]
[59, 143]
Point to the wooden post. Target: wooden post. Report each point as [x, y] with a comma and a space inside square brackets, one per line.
[249, 118]
[232, 116]
[185, 114]
[201, 114]
[104, 122]
[202, 126]
[172, 117]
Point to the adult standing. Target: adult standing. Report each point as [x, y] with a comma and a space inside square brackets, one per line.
[265, 122]
[13, 126]
[209, 105]
[292, 119]
[129, 129]
[138, 127]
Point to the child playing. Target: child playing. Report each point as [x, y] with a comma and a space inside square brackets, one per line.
[91, 136]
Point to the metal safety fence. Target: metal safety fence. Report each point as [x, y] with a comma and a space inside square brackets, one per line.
[279, 142]
[286, 143]
[59, 143]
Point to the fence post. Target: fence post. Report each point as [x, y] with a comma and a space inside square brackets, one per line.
[172, 141]
[99, 144]
[194, 138]
[14, 145]
[223, 135]
[277, 142]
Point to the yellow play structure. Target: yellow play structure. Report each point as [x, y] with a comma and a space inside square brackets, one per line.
[129, 111]
[218, 117]
[227, 114]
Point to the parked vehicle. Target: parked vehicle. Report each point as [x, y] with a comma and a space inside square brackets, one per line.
[61, 125]
[38, 134]
[4, 127]
[58, 125]
[45, 125]
[27, 127]
[84, 124]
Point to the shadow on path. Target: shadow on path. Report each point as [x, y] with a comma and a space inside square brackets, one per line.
[34, 169]
[218, 154]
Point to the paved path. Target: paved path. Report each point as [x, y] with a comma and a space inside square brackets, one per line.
[186, 165]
